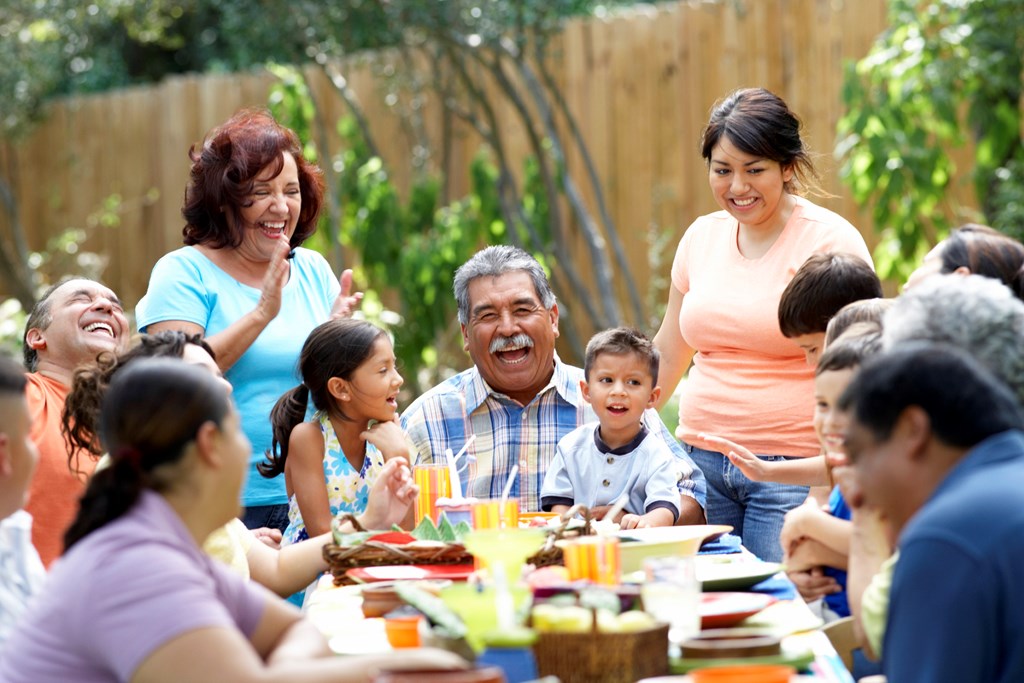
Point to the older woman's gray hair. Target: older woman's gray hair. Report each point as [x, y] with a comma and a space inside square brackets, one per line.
[977, 314]
[493, 262]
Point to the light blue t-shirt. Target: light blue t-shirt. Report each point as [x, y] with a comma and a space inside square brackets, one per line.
[186, 285]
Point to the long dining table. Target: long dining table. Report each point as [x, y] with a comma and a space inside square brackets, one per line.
[337, 612]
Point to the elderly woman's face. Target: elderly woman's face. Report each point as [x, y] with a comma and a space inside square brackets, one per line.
[273, 212]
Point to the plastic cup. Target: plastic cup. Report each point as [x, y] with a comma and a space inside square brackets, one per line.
[434, 483]
[490, 514]
[403, 631]
[671, 594]
[595, 558]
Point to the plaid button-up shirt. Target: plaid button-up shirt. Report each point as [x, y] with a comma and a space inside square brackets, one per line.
[508, 433]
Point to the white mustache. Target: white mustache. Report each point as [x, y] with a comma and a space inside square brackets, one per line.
[505, 343]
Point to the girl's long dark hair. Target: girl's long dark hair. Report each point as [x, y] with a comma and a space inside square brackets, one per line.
[333, 349]
[149, 415]
[82, 407]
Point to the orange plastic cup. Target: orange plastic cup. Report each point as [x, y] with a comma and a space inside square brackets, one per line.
[489, 514]
[434, 483]
[403, 631]
[744, 673]
[595, 558]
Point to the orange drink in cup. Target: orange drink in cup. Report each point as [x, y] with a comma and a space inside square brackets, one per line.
[491, 514]
[434, 483]
[595, 558]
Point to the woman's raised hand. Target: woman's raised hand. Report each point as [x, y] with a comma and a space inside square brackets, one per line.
[273, 284]
[346, 303]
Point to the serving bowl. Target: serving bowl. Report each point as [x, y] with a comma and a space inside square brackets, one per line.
[636, 545]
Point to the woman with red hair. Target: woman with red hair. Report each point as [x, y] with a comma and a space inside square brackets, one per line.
[243, 280]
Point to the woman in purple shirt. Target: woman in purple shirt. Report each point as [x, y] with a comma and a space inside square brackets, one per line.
[134, 598]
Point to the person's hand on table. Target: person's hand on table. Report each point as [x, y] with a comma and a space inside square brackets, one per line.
[346, 303]
[392, 494]
[423, 658]
[269, 537]
[813, 584]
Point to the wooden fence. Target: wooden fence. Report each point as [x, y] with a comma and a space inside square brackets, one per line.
[641, 84]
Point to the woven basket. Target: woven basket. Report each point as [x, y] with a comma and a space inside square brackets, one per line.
[597, 657]
[374, 554]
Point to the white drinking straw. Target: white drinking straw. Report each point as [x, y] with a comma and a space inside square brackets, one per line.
[465, 447]
[505, 494]
[453, 475]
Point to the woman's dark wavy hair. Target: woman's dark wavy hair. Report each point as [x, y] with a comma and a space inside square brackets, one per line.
[223, 173]
[80, 418]
[333, 349]
[985, 251]
[150, 414]
[761, 124]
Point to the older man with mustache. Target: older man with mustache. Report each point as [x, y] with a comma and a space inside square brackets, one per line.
[518, 399]
[73, 322]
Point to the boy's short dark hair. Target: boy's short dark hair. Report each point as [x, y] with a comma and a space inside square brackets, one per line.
[824, 284]
[620, 341]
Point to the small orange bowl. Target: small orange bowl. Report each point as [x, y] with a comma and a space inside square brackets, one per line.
[403, 631]
[744, 673]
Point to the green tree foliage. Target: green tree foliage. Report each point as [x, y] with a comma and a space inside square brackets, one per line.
[946, 72]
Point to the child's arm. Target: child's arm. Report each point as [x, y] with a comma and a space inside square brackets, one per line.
[389, 438]
[798, 471]
[304, 471]
[656, 517]
[811, 521]
[811, 553]
[560, 509]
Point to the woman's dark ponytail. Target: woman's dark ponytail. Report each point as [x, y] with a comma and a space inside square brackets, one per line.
[288, 412]
[111, 492]
[150, 414]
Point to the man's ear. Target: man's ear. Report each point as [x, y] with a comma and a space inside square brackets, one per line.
[338, 388]
[914, 428]
[585, 390]
[34, 339]
[553, 314]
[465, 337]
[5, 455]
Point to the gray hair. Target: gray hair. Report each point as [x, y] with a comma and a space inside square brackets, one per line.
[40, 318]
[493, 262]
[977, 314]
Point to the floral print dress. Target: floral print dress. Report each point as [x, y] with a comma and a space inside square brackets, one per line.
[347, 489]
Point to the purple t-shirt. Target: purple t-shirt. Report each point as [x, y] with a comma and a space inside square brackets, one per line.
[119, 595]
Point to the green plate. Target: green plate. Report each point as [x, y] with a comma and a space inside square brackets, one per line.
[799, 660]
[734, 576]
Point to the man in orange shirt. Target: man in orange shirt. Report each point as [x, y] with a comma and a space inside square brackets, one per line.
[72, 323]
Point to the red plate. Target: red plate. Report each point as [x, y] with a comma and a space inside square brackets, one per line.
[722, 610]
[406, 572]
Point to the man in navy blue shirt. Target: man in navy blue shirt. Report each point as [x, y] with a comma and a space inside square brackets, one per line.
[936, 444]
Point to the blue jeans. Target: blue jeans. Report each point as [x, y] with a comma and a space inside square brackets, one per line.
[754, 509]
[270, 516]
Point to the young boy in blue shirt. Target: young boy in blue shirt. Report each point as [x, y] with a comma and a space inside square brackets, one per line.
[596, 464]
